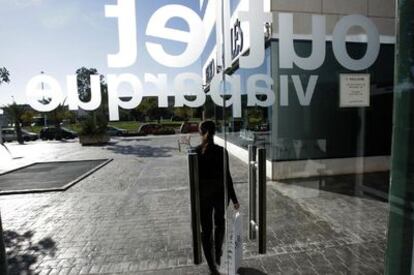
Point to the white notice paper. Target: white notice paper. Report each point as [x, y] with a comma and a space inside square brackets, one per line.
[354, 90]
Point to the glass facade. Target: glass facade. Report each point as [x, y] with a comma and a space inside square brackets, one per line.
[321, 130]
[324, 129]
[331, 193]
[254, 125]
[322, 155]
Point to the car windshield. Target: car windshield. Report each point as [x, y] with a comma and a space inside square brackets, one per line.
[8, 131]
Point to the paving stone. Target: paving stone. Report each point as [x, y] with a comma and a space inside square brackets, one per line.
[133, 217]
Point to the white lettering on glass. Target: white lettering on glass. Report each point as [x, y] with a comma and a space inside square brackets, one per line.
[44, 93]
[114, 98]
[194, 38]
[124, 10]
[188, 86]
[73, 95]
[339, 42]
[288, 56]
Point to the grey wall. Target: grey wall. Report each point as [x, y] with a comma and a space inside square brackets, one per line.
[381, 12]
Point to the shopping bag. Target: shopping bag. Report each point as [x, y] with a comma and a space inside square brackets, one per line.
[236, 250]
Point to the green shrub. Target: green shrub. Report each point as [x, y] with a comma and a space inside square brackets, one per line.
[95, 124]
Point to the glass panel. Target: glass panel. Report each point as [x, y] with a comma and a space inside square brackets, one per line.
[100, 123]
[327, 164]
[399, 251]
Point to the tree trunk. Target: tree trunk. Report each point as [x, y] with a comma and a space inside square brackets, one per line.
[58, 130]
[19, 134]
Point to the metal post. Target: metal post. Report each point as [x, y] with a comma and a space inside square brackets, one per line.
[3, 259]
[195, 206]
[261, 167]
[400, 244]
[252, 192]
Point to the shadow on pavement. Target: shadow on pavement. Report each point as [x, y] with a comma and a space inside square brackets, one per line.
[22, 253]
[142, 150]
[250, 271]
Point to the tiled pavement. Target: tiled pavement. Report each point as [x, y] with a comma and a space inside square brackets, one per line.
[132, 217]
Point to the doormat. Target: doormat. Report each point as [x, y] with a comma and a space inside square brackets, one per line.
[48, 176]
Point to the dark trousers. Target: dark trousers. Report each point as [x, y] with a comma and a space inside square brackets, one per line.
[212, 209]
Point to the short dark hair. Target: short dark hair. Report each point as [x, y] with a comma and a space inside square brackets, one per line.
[208, 126]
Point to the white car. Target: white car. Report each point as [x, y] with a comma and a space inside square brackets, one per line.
[8, 134]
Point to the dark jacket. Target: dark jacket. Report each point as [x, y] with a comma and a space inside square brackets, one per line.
[211, 176]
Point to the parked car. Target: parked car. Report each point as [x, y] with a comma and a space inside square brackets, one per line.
[115, 131]
[29, 136]
[149, 128]
[8, 134]
[189, 127]
[50, 133]
[164, 131]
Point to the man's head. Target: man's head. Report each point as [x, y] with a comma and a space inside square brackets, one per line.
[207, 130]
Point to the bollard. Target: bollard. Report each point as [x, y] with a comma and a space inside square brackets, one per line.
[252, 192]
[261, 167]
[195, 205]
[3, 259]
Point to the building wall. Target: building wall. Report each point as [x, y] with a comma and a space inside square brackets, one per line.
[381, 12]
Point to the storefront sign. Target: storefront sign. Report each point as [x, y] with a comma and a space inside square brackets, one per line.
[237, 46]
[236, 40]
[354, 90]
[210, 70]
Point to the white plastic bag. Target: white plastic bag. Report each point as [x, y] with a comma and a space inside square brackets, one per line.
[236, 249]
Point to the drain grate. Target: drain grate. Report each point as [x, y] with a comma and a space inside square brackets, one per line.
[48, 176]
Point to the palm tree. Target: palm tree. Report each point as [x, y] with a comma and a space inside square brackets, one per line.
[15, 112]
[57, 116]
[4, 76]
[95, 123]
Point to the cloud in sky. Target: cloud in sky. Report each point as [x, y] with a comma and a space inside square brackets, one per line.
[96, 20]
[28, 2]
[58, 18]
[18, 4]
[51, 14]
[66, 34]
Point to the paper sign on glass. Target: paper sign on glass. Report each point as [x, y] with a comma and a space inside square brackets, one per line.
[354, 90]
